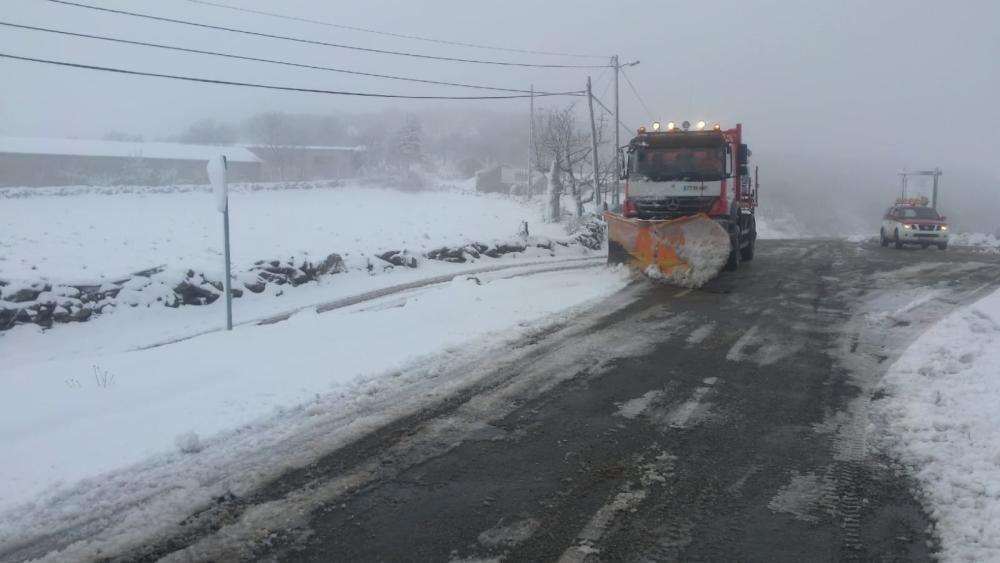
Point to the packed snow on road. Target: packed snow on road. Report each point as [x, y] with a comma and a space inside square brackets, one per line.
[940, 417]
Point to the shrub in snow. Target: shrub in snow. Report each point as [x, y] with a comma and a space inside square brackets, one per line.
[553, 194]
[591, 234]
[397, 258]
[102, 378]
[189, 443]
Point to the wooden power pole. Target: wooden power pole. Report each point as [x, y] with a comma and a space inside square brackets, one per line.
[593, 148]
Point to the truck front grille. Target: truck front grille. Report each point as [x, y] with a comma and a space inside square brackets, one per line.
[673, 207]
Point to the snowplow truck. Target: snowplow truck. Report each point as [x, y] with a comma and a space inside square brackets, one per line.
[689, 204]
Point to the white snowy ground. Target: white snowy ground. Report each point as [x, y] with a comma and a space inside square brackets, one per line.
[84, 234]
[181, 423]
[91, 424]
[94, 237]
[980, 241]
[943, 420]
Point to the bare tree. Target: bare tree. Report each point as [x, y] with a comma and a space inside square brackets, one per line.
[561, 144]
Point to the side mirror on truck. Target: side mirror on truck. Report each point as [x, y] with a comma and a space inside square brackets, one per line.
[743, 155]
[623, 164]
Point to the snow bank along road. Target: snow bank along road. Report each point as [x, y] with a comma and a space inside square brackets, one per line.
[726, 423]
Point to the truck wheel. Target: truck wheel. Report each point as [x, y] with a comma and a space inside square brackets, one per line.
[748, 250]
[746, 253]
[895, 236]
[942, 246]
[735, 254]
[882, 238]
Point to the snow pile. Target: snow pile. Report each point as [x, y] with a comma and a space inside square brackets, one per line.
[191, 414]
[978, 240]
[942, 416]
[773, 226]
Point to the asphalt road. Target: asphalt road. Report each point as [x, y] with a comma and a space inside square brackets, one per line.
[730, 423]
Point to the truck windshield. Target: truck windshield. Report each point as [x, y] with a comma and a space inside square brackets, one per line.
[917, 213]
[678, 164]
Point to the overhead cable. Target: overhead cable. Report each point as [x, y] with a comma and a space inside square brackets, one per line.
[276, 87]
[263, 60]
[321, 43]
[391, 34]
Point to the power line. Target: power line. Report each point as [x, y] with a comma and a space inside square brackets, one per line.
[637, 96]
[391, 34]
[611, 113]
[275, 87]
[262, 60]
[314, 42]
[607, 87]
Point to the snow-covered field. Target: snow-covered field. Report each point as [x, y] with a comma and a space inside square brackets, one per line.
[942, 412]
[93, 237]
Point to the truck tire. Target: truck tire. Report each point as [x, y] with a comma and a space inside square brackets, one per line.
[895, 236]
[746, 253]
[942, 246]
[735, 254]
[882, 238]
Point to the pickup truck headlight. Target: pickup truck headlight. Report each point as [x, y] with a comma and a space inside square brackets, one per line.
[907, 227]
[944, 227]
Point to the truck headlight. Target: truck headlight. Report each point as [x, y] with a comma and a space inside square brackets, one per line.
[907, 227]
[944, 227]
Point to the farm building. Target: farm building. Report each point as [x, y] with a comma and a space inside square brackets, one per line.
[292, 163]
[506, 179]
[28, 161]
[60, 162]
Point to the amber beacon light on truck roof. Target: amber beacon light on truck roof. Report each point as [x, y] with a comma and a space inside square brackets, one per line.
[686, 125]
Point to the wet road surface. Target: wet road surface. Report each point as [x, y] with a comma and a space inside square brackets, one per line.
[729, 423]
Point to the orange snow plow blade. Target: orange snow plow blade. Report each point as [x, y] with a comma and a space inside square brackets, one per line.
[687, 252]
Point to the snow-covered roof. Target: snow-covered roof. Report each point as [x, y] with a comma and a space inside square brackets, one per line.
[92, 147]
[358, 148]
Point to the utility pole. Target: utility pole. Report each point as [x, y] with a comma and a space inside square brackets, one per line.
[616, 198]
[531, 140]
[937, 174]
[593, 148]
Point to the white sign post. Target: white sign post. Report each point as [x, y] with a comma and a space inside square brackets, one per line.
[217, 175]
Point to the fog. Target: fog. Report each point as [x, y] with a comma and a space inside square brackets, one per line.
[835, 97]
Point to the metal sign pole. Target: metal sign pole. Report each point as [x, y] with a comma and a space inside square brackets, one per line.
[229, 281]
[217, 174]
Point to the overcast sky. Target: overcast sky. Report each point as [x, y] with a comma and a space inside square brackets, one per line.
[911, 82]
